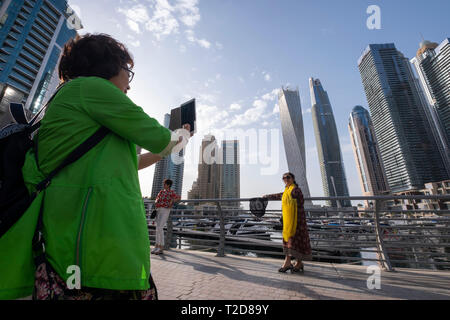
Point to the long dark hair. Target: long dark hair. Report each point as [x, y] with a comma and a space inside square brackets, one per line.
[293, 178]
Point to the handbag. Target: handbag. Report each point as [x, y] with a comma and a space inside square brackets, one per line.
[153, 214]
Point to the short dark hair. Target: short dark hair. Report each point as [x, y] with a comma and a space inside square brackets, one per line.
[168, 182]
[93, 55]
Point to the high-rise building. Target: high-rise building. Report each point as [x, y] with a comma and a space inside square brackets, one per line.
[432, 64]
[367, 154]
[32, 35]
[328, 146]
[161, 168]
[207, 185]
[176, 171]
[230, 186]
[294, 136]
[408, 149]
[168, 169]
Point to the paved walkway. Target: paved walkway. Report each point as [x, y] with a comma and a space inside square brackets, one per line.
[193, 275]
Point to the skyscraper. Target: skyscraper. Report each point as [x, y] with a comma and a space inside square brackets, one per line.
[294, 136]
[408, 150]
[32, 35]
[367, 154]
[161, 168]
[168, 169]
[207, 185]
[230, 186]
[176, 171]
[328, 147]
[432, 64]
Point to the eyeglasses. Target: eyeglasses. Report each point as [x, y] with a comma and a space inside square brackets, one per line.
[130, 74]
[287, 178]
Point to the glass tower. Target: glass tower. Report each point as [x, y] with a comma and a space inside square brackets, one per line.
[32, 35]
[230, 171]
[328, 147]
[167, 169]
[408, 149]
[366, 152]
[294, 136]
[432, 64]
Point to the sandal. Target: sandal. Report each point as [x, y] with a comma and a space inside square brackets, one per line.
[283, 270]
[297, 270]
[157, 251]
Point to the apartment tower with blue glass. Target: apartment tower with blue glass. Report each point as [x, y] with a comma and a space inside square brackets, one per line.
[328, 146]
[170, 167]
[32, 36]
[432, 64]
[408, 149]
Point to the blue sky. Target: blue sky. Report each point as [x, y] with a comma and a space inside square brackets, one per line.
[232, 54]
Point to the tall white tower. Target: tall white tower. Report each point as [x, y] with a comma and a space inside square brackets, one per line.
[294, 137]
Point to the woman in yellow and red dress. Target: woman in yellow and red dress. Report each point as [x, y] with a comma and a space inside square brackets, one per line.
[296, 241]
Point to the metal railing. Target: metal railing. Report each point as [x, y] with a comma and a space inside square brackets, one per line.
[407, 236]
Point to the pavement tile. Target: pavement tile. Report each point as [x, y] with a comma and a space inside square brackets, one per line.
[192, 275]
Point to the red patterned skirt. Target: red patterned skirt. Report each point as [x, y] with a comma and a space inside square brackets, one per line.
[299, 245]
[50, 286]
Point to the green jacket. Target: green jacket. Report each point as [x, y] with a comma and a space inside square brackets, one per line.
[93, 214]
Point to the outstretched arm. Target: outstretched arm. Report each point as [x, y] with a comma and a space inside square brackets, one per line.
[275, 196]
[147, 159]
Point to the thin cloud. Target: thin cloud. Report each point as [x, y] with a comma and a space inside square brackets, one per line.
[190, 36]
[271, 96]
[235, 106]
[267, 76]
[163, 18]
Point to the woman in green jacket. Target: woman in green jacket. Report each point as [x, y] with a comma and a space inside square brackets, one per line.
[94, 223]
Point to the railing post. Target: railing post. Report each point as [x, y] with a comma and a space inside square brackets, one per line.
[383, 256]
[169, 233]
[221, 248]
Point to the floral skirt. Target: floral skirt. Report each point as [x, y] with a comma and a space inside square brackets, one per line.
[299, 245]
[50, 286]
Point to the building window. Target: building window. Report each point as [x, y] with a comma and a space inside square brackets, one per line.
[3, 20]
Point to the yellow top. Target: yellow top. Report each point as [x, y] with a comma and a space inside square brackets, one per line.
[289, 207]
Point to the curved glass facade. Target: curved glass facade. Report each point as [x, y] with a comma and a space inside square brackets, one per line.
[432, 64]
[328, 147]
[294, 136]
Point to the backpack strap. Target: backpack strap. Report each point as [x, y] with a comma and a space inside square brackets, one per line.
[18, 113]
[76, 154]
[90, 143]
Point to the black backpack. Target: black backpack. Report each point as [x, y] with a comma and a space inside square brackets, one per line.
[15, 141]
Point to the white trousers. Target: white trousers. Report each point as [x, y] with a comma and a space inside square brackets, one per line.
[161, 218]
